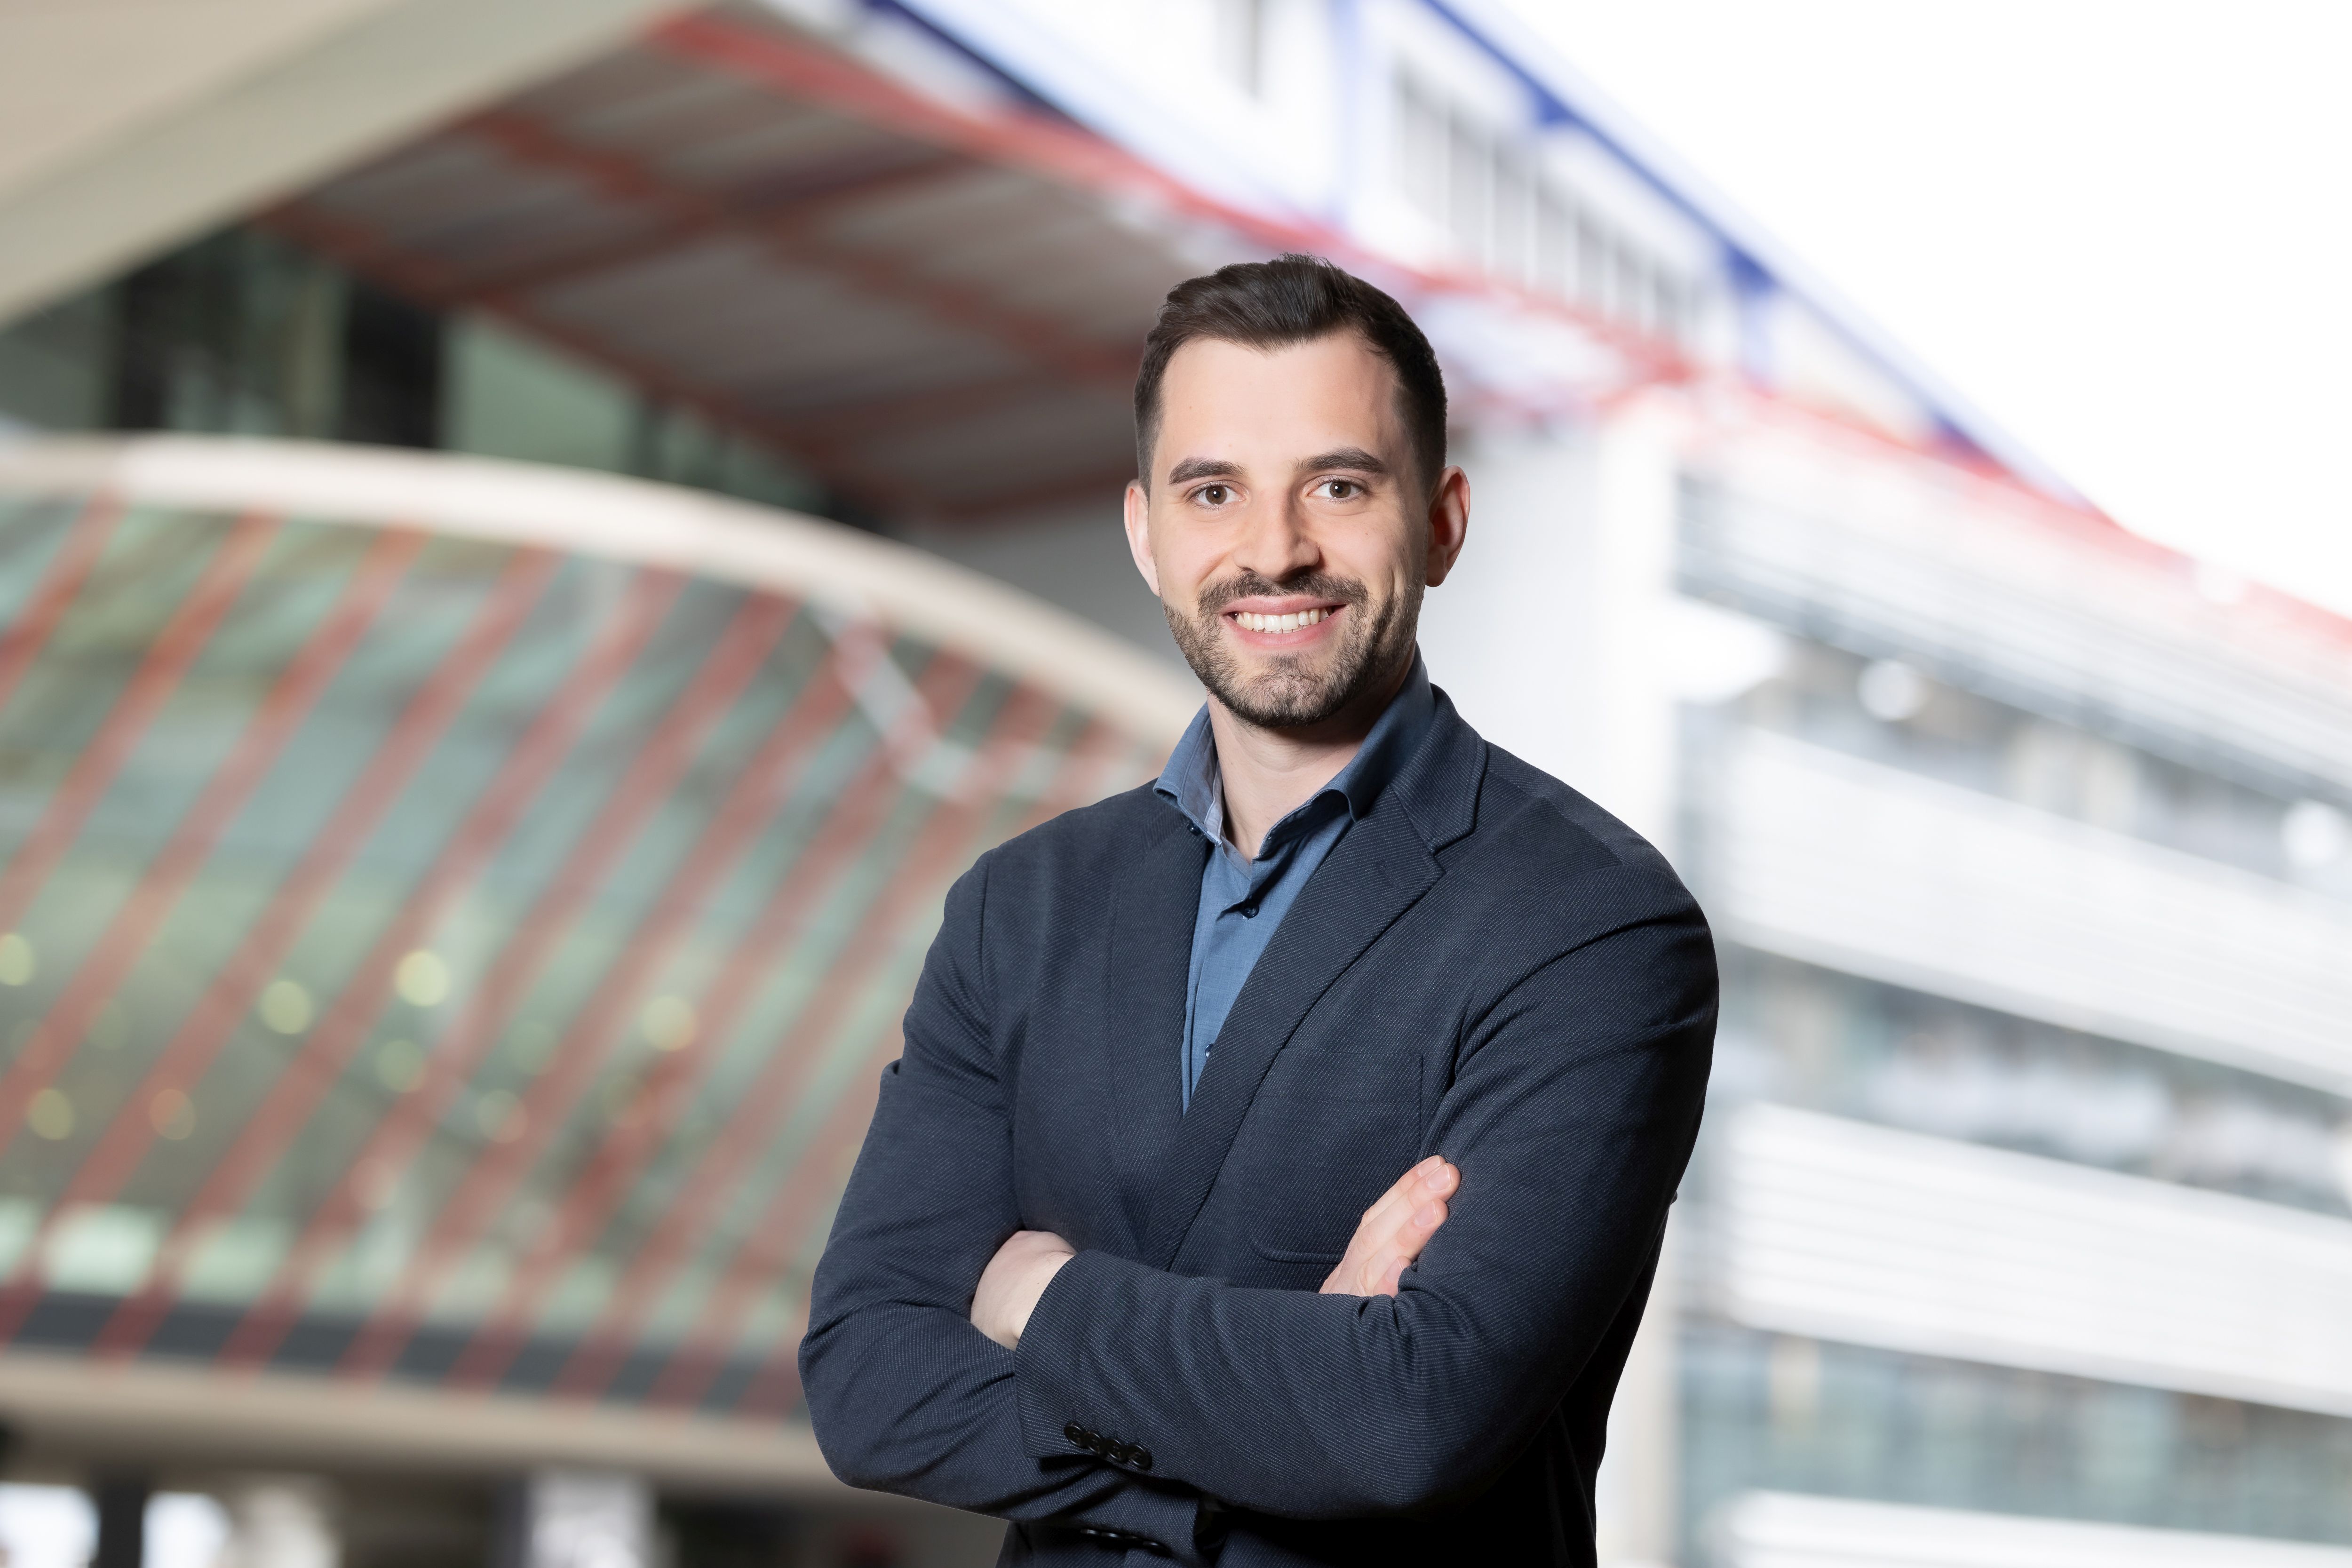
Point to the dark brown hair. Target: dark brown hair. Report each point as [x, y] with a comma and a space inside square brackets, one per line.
[1292, 299]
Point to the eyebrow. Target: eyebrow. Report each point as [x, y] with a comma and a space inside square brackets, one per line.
[1354, 457]
[1203, 469]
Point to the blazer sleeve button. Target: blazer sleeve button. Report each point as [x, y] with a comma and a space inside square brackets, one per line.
[1075, 1434]
[1139, 1456]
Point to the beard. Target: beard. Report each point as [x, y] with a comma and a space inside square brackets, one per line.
[1294, 690]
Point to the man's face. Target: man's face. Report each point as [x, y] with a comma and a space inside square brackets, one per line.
[1286, 530]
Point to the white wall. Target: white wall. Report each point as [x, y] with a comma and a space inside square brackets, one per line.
[1076, 559]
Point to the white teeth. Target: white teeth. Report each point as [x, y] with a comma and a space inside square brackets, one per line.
[1251, 621]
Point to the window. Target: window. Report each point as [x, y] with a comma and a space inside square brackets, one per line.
[1502, 213]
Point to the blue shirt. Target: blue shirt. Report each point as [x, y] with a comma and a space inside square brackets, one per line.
[1242, 902]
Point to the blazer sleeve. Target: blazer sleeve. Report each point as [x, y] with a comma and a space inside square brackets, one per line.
[905, 1394]
[1572, 1114]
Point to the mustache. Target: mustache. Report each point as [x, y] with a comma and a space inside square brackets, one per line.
[1251, 584]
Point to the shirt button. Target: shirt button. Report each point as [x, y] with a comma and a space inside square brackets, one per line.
[1249, 911]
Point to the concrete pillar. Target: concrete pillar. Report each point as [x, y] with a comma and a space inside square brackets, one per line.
[283, 1522]
[1509, 634]
[1639, 1490]
[1554, 636]
[575, 1519]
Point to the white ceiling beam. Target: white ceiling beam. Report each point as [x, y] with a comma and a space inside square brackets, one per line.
[245, 126]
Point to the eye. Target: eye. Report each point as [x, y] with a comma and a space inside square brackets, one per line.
[1213, 495]
[1341, 489]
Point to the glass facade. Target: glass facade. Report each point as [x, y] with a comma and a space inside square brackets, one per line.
[244, 332]
[440, 958]
[1801, 1035]
[1888, 712]
[1764, 1412]
[1787, 1414]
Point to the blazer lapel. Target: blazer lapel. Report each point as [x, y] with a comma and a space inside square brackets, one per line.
[1150, 960]
[1373, 875]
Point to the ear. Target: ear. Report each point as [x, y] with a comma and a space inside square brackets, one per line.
[1139, 534]
[1449, 524]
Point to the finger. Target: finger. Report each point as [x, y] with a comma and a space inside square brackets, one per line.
[1415, 1233]
[1404, 1224]
[1412, 1233]
[1360, 1268]
[1362, 1276]
[1386, 1207]
[1389, 1235]
[1383, 1221]
[1375, 1267]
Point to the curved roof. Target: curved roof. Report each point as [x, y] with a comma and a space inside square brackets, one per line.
[632, 520]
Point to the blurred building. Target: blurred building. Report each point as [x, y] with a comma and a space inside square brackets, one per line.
[546, 534]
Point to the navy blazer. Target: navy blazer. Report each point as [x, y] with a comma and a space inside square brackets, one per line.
[1488, 966]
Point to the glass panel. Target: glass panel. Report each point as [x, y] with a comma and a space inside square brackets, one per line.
[471, 955]
[1796, 1415]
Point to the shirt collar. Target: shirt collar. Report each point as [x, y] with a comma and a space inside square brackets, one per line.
[1192, 784]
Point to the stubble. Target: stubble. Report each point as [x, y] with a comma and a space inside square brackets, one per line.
[1295, 691]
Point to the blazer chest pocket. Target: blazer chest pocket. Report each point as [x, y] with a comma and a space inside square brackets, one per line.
[1328, 1135]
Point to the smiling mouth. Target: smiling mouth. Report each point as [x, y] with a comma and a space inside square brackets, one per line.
[1250, 621]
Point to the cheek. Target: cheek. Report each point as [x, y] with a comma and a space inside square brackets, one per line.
[1384, 576]
[1185, 567]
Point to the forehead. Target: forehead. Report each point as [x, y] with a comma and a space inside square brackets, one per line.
[1230, 401]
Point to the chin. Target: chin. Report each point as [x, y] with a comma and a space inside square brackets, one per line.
[1287, 699]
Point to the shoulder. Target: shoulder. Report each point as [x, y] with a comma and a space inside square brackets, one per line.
[1563, 906]
[1083, 847]
[1521, 805]
[1558, 859]
[1112, 828]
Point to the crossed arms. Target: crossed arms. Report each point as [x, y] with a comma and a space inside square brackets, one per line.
[1574, 1098]
[1387, 1240]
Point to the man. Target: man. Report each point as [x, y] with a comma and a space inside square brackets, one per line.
[1126, 1258]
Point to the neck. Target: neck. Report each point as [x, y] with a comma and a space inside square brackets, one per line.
[1268, 772]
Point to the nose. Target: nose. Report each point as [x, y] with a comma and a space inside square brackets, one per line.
[1275, 543]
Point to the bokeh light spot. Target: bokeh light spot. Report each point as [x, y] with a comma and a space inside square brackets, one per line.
[285, 1006]
[422, 979]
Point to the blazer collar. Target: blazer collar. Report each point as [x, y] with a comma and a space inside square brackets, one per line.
[1438, 786]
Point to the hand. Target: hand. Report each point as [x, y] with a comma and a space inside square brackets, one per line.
[1394, 1230]
[1014, 1279]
